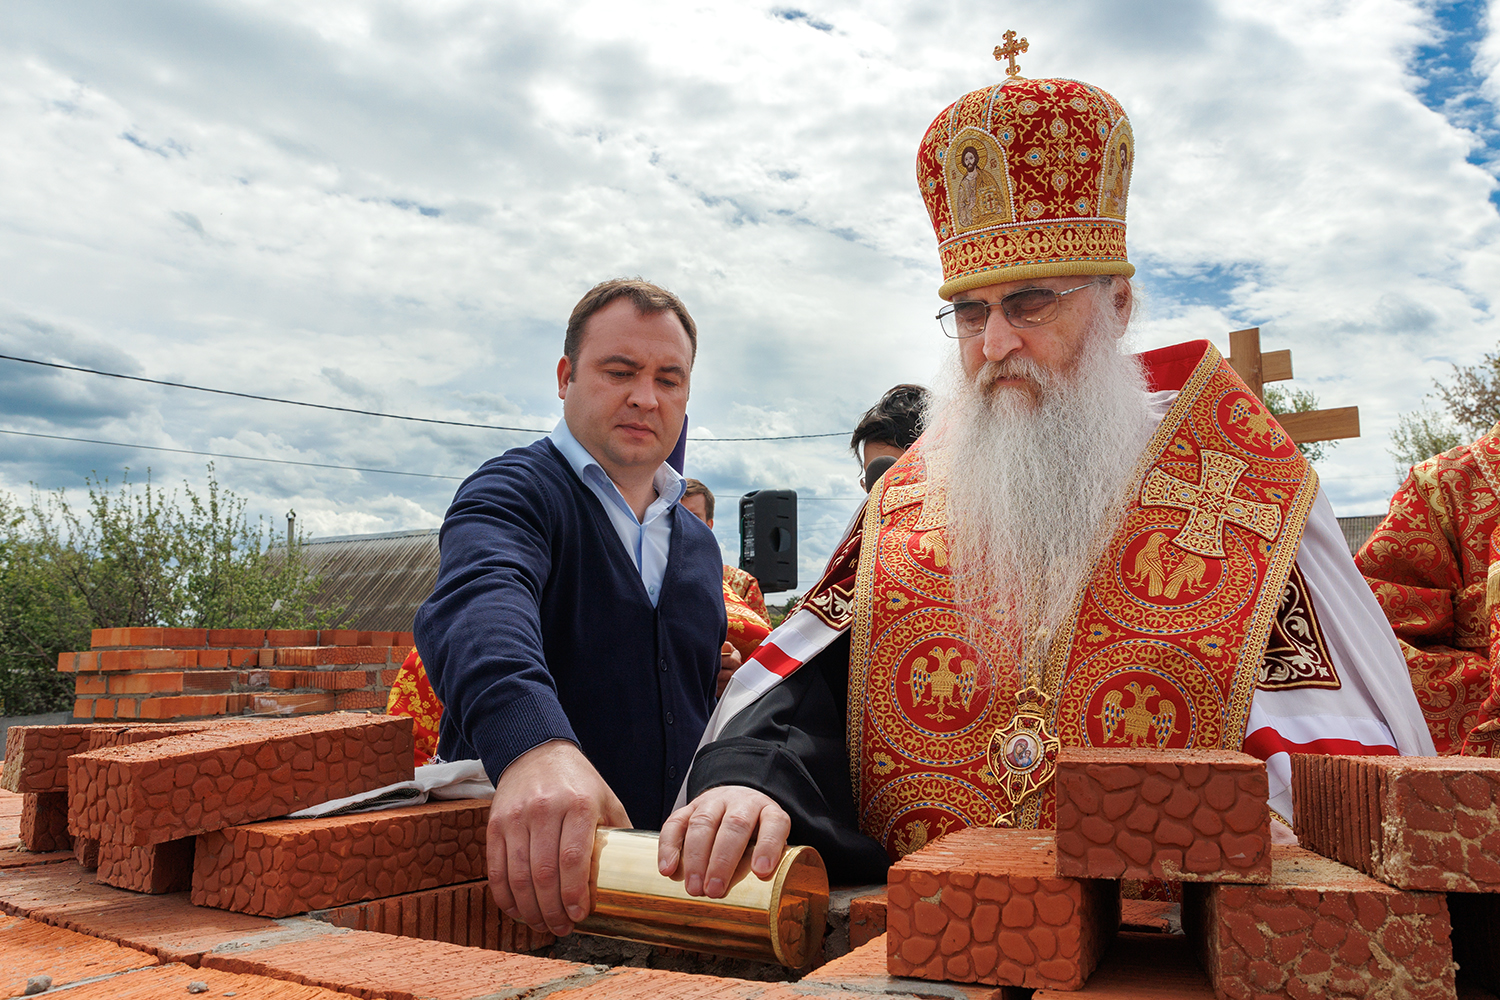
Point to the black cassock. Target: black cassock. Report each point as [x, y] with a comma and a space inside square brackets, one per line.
[791, 744]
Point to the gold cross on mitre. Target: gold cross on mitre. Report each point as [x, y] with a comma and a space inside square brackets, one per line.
[1257, 368]
[1009, 51]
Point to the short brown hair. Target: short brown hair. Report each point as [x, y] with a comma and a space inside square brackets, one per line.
[648, 299]
[696, 489]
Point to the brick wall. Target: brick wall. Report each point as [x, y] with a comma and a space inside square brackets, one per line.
[165, 673]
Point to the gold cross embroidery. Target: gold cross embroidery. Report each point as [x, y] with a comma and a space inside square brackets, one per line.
[1211, 502]
[1009, 51]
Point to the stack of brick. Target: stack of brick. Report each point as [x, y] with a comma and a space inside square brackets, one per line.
[169, 673]
[144, 803]
[1039, 909]
[1427, 825]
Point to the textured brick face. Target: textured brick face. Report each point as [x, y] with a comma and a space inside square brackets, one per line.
[291, 866]
[36, 757]
[165, 790]
[157, 869]
[985, 905]
[1414, 822]
[44, 822]
[1181, 815]
[1321, 929]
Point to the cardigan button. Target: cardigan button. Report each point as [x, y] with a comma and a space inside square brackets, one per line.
[672, 771]
[669, 718]
[664, 665]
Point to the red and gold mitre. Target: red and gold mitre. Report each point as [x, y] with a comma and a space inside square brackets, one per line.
[1028, 179]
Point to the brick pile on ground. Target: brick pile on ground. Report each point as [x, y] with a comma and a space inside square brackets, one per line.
[135, 809]
[1040, 909]
[166, 673]
[1415, 823]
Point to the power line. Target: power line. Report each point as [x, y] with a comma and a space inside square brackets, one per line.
[364, 413]
[218, 454]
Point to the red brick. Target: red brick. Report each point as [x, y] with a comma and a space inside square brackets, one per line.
[245, 657]
[325, 656]
[83, 684]
[866, 918]
[456, 914]
[184, 638]
[156, 869]
[86, 662]
[291, 866]
[864, 968]
[30, 948]
[403, 639]
[148, 659]
[44, 822]
[1187, 815]
[121, 638]
[1143, 967]
[292, 704]
[83, 708]
[236, 704]
[348, 701]
[36, 757]
[292, 637]
[176, 980]
[388, 677]
[237, 637]
[86, 851]
[67, 662]
[1320, 928]
[213, 659]
[145, 683]
[127, 708]
[408, 968]
[1429, 823]
[205, 681]
[104, 708]
[338, 637]
[986, 905]
[228, 775]
[188, 706]
[282, 680]
[333, 680]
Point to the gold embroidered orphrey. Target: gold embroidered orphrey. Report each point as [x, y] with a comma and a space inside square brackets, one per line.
[1009, 51]
[1210, 502]
[1025, 751]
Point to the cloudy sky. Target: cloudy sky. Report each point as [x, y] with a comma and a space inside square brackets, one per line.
[392, 206]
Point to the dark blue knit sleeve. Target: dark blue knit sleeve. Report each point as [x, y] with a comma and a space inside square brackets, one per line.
[480, 633]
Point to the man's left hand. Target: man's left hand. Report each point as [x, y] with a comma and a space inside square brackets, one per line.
[729, 662]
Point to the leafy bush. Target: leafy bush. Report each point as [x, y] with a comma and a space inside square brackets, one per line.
[135, 556]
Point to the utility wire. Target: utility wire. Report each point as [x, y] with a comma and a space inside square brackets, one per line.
[218, 454]
[365, 413]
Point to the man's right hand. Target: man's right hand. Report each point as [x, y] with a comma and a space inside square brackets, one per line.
[706, 838]
[540, 845]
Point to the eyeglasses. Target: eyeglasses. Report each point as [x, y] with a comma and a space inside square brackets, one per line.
[1028, 308]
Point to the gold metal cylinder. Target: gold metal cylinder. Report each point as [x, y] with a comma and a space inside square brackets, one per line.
[779, 920]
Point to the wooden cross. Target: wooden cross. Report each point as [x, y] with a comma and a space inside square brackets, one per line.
[1009, 51]
[1256, 369]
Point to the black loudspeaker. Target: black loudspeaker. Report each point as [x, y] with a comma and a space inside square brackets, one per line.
[768, 538]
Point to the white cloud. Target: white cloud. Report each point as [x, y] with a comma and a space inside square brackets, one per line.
[393, 205]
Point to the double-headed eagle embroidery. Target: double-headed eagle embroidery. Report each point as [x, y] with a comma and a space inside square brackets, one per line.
[948, 688]
[1151, 569]
[1139, 720]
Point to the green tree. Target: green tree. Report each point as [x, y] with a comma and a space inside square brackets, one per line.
[1421, 434]
[136, 556]
[1280, 399]
[1473, 397]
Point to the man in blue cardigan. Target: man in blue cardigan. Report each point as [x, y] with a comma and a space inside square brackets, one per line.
[574, 632]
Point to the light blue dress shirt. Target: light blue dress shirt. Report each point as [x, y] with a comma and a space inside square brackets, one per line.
[649, 540]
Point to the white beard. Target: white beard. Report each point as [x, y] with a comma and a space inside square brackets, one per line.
[1036, 481]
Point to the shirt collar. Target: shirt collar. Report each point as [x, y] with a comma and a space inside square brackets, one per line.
[669, 485]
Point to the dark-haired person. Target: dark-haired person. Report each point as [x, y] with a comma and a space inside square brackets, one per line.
[573, 634]
[887, 429]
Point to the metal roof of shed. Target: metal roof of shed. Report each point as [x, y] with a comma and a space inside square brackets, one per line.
[380, 579]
